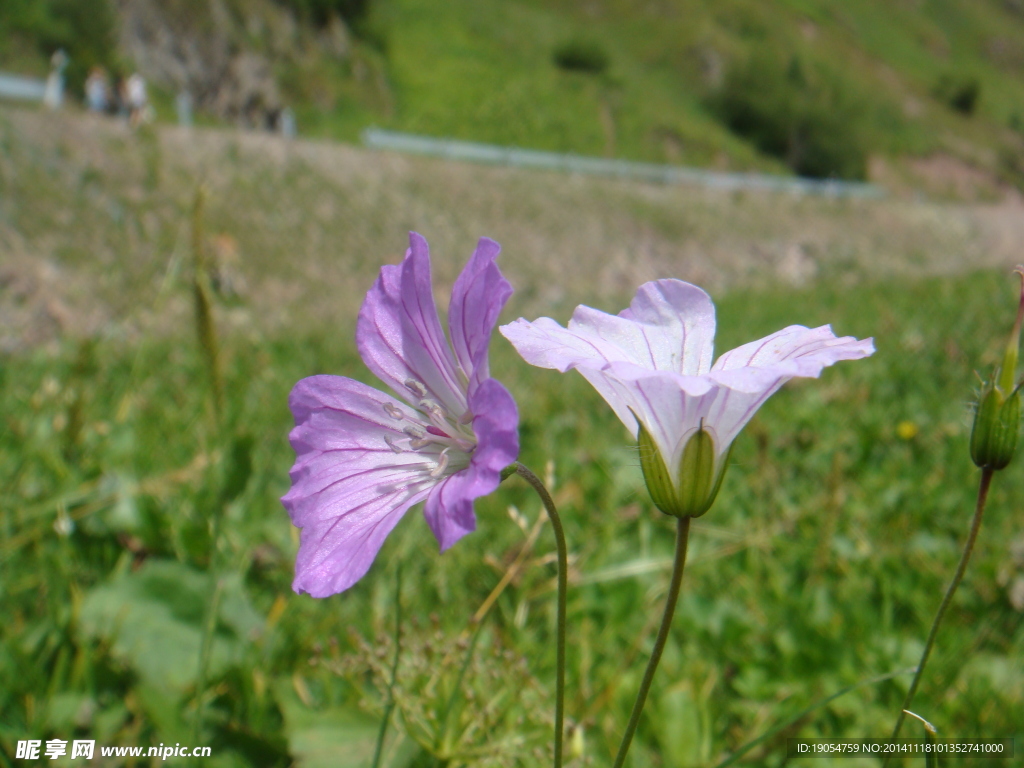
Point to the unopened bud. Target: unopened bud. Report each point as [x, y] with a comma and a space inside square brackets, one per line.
[997, 420]
[691, 491]
[996, 426]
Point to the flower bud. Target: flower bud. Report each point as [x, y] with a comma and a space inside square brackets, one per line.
[692, 491]
[996, 426]
[997, 420]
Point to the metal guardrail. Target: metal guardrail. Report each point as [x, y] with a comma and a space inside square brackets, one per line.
[18, 87]
[454, 149]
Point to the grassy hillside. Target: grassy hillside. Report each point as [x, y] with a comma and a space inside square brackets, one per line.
[674, 85]
[810, 85]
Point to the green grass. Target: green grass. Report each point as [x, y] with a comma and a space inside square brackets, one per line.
[820, 565]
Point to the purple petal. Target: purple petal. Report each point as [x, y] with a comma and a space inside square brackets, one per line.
[793, 351]
[399, 335]
[449, 508]
[669, 326]
[478, 296]
[337, 551]
[667, 410]
[546, 344]
[349, 488]
[673, 327]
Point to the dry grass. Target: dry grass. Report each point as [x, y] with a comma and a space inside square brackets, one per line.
[93, 220]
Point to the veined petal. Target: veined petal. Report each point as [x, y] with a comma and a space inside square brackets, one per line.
[349, 488]
[546, 344]
[670, 327]
[669, 413]
[399, 335]
[336, 551]
[793, 351]
[478, 296]
[337, 412]
[449, 508]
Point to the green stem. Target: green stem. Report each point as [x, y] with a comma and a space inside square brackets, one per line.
[205, 647]
[209, 622]
[563, 588]
[442, 728]
[390, 706]
[682, 538]
[986, 480]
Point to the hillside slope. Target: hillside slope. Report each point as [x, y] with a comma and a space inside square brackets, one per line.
[94, 227]
[856, 89]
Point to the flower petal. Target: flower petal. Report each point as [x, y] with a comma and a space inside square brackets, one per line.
[793, 351]
[399, 335]
[449, 508]
[349, 488]
[752, 373]
[337, 551]
[667, 409]
[546, 344]
[478, 296]
[673, 327]
[669, 326]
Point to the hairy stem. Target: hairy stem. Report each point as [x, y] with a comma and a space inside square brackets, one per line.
[563, 587]
[682, 538]
[986, 480]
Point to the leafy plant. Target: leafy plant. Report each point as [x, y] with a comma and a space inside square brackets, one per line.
[958, 92]
[581, 56]
[806, 117]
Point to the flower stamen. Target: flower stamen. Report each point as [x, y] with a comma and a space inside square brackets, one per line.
[417, 388]
[393, 411]
[442, 464]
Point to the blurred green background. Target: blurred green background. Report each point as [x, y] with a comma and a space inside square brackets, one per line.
[129, 502]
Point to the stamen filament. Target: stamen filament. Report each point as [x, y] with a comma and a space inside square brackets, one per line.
[442, 464]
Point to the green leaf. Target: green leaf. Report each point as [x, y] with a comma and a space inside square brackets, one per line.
[153, 619]
[335, 737]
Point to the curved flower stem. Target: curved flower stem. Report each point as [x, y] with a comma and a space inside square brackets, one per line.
[563, 587]
[682, 538]
[986, 480]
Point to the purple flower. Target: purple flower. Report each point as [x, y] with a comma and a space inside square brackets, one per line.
[652, 363]
[364, 457]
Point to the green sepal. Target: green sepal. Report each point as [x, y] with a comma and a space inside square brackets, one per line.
[697, 483]
[697, 473]
[659, 482]
[710, 499]
[996, 427]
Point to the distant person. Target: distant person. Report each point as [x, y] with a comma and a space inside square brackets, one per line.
[97, 90]
[53, 93]
[136, 100]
